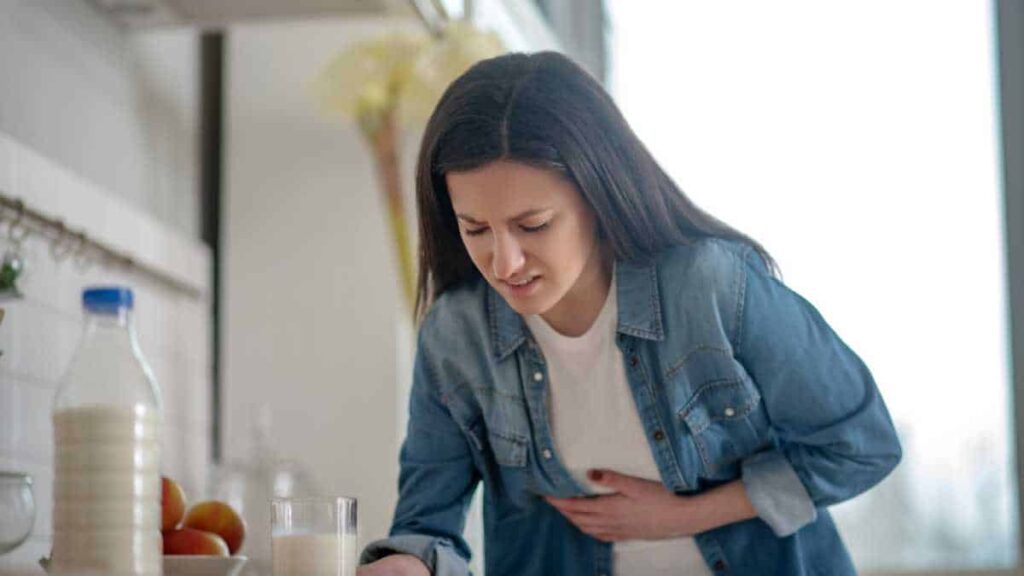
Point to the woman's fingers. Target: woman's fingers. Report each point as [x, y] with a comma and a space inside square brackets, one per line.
[587, 517]
[595, 525]
[580, 506]
[598, 517]
[605, 536]
[592, 506]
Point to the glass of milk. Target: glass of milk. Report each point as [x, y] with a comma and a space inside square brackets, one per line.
[314, 536]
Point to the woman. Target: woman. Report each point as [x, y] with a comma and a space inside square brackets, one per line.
[636, 390]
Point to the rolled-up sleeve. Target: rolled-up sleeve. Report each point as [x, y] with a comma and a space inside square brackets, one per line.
[834, 436]
[436, 483]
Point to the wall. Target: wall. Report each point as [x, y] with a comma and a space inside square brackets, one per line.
[116, 108]
[96, 127]
[312, 312]
[314, 327]
[581, 27]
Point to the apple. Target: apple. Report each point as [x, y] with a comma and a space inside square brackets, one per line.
[191, 542]
[217, 517]
[172, 503]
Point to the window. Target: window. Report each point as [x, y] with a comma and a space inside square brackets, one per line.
[858, 141]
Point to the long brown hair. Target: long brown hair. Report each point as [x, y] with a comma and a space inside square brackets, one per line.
[544, 110]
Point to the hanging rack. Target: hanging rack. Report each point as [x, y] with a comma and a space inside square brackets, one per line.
[24, 221]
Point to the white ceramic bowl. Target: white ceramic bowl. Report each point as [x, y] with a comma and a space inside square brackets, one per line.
[203, 565]
[192, 565]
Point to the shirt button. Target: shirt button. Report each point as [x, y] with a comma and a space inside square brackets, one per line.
[538, 376]
[546, 454]
[718, 566]
[659, 435]
[633, 361]
[729, 412]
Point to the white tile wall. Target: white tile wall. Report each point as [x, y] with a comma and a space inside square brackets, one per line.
[131, 123]
[40, 331]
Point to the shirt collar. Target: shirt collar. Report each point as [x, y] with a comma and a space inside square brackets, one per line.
[639, 310]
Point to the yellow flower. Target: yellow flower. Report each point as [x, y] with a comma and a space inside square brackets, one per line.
[460, 46]
[367, 78]
[400, 73]
[398, 76]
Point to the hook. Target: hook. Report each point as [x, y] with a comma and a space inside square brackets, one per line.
[81, 253]
[18, 237]
[60, 247]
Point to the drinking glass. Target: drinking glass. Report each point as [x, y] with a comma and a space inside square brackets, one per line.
[314, 536]
[17, 509]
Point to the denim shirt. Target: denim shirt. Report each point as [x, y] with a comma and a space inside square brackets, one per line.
[734, 375]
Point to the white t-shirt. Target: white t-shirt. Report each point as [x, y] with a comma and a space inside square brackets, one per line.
[595, 424]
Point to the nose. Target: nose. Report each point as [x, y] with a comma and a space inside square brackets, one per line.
[508, 258]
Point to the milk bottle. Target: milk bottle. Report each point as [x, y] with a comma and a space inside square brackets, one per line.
[106, 419]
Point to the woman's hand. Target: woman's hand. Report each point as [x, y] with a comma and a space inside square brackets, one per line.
[645, 510]
[395, 565]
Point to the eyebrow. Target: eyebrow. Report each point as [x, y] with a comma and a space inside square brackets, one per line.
[469, 219]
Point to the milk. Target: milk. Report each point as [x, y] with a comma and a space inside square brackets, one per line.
[315, 555]
[106, 514]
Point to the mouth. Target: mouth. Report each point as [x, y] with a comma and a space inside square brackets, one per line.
[521, 287]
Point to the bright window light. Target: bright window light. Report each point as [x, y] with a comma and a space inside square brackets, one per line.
[858, 142]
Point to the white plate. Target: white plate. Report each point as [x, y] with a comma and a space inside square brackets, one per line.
[203, 565]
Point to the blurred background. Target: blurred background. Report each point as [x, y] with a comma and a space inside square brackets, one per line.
[253, 159]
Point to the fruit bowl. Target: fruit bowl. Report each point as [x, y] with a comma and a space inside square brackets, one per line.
[203, 565]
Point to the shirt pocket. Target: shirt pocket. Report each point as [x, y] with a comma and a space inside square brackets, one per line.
[495, 423]
[505, 465]
[509, 450]
[723, 416]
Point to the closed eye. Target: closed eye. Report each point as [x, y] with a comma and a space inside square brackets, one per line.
[524, 228]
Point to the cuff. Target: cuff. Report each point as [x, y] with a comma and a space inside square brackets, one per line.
[777, 493]
[437, 553]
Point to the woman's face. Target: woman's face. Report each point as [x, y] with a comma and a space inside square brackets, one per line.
[529, 232]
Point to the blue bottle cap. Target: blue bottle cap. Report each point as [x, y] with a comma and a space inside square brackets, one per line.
[107, 298]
